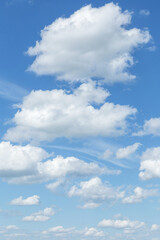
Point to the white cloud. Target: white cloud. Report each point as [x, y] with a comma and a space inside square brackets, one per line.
[28, 164]
[45, 115]
[121, 224]
[90, 205]
[59, 231]
[53, 186]
[12, 227]
[18, 160]
[92, 42]
[95, 191]
[155, 227]
[140, 194]
[151, 126]
[58, 169]
[34, 200]
[106, 155]
[144, 12]
[93, 232]
[127, 151]
[150, 164]
[41, 216]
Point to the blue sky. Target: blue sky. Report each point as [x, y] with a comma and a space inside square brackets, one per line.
[80, 122]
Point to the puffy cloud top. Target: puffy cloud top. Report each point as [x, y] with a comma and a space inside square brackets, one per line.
[45, 115]
[150, 164]
[34, 200]
[16, 160]
[92, 42]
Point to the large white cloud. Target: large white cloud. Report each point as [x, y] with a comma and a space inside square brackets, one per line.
[92, 42]
[28, 164]
[95, 191]
[45, 115]
[150, 164]
[59, 168]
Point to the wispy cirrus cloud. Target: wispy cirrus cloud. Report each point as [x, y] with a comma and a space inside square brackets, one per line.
[11, 91]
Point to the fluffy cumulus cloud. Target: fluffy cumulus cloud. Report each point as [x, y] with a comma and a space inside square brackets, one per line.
[34, 200]
[140, 194]
[150, 127]
[93, 232]
[27, 164]
[127, 151]
[16, 160]
[94, 192]
[121, 223]
[150, 164]
[45, 115]
[92, 42]
[41, 216]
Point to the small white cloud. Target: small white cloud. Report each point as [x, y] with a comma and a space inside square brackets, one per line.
[144, 12]
[94, 191]
[140, 194]
[53, 186]
[152, 48]
[92, 42]
[12, 227]
[41, 216]
[150, 164]
[34, 200]
[106, 155]
[59, 231]
[121, 224]
[90, 205]
[45, 115]
[127, 151]
[93, 232]
[155, 227]
[151, 126]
